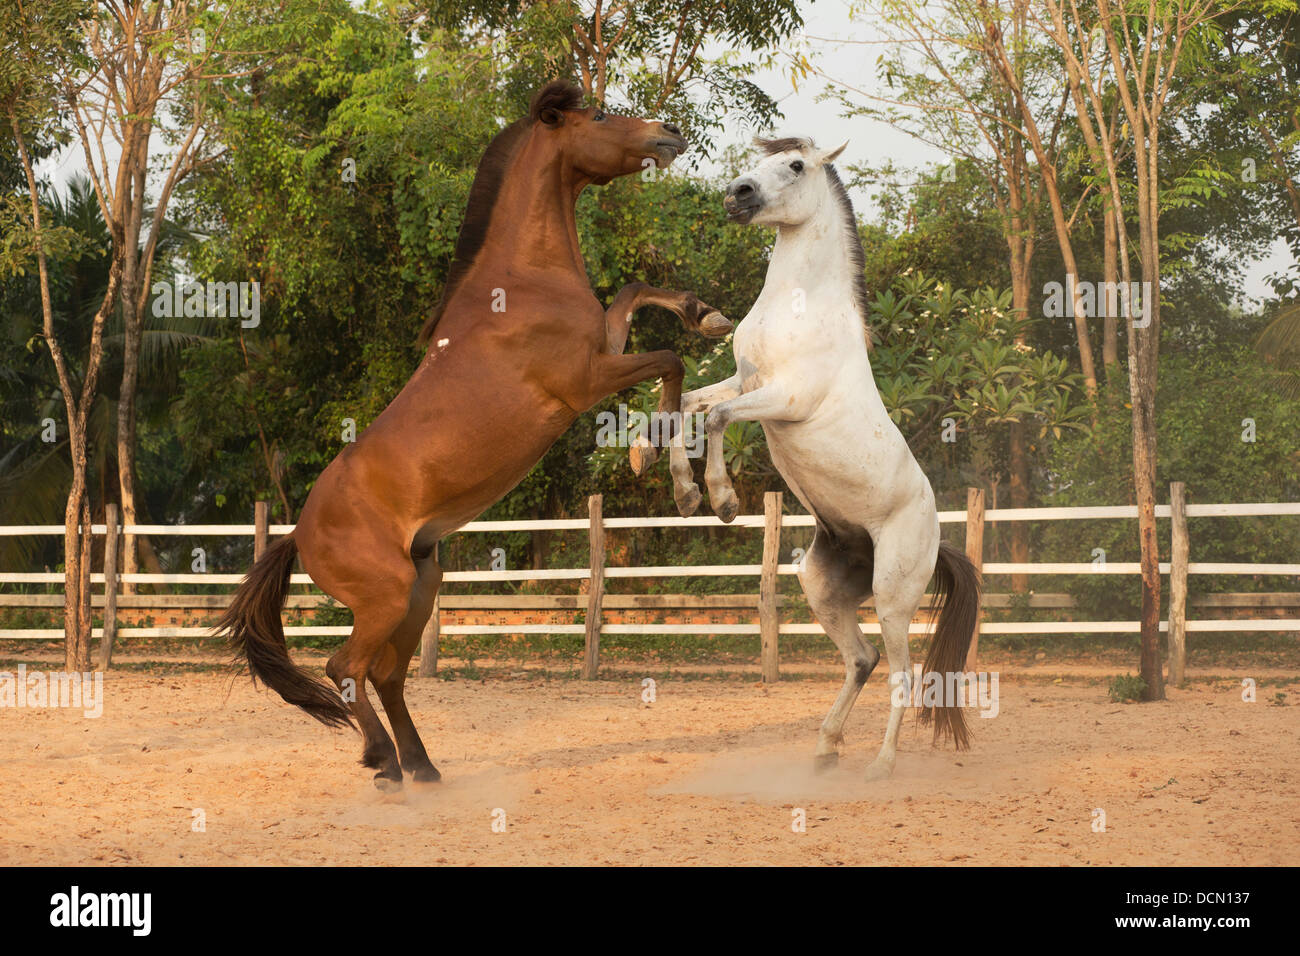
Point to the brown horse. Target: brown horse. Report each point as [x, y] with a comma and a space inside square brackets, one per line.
[519, 347]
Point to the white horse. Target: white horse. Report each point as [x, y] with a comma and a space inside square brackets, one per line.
[803, 372]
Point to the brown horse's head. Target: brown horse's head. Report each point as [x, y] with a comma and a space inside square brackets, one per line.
[592, 143]
[600, 145]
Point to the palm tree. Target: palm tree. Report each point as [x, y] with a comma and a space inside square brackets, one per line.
[1279, 346]
[35, 471]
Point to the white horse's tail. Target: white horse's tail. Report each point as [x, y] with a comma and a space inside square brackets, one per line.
[957, 601]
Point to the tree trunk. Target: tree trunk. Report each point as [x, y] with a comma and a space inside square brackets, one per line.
[1142, 382]
[540, 547]
[76, 632]
[1144, 345]
[133, 322]
[1060, 224]
[1017, 453]
[1110, 332]
[76, 513]
[126, 446]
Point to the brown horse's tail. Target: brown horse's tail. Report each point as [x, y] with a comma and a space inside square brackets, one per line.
[957, 600]
[252, 626]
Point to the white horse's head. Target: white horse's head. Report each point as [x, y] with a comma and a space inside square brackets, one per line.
[786, 189]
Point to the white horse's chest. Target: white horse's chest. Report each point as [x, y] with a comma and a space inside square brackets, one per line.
[844, 444]
[774, 341]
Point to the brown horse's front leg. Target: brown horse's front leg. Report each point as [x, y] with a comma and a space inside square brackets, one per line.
[613, 373]
[695, 315]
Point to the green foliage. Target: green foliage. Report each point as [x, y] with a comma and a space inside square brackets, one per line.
[948, 352]
[1127, 688]
[1201, 405]
[340, 192]
[1279, 347]
[649, 58]
[932, 226]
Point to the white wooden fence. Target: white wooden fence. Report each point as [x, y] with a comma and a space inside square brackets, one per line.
[772, 522]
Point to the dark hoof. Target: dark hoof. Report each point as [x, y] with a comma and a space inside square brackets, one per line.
[688, 502]
[715, 325]
[825, 762]
[728, 510]
[641, 457]
[427, 774]
[387, 784]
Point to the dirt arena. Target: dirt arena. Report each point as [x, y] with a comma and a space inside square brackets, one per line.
[711, 773]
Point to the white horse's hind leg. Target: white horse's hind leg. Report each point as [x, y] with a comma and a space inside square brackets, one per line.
[836, 583]
[904, 564]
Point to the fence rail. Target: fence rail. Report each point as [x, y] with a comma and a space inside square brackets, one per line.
[991, 516]
[772, 522]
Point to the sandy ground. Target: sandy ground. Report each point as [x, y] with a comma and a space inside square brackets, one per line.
[713, 772]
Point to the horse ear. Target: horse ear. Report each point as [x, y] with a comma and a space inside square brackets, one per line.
[551, 117]
[831, 156]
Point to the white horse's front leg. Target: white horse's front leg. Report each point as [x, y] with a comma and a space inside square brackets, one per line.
[771, 403]
[685, 491]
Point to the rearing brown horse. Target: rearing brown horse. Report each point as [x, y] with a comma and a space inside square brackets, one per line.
[519, 347]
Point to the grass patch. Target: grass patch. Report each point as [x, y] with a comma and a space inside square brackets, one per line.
[1127, 688]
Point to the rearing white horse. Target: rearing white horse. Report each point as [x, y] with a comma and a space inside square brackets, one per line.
[803, 372]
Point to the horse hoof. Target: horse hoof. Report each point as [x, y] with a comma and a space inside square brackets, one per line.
[387, 784]
[427, 774]
[825, 762]
[641, 456]
[880, 771]
[688, 502]
[728, 509]
[715, 325]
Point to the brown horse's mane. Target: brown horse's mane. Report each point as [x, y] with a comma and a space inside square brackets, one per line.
[555, 95]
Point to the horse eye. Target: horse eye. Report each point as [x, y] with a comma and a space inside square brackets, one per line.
[797, 165]
[599, 117]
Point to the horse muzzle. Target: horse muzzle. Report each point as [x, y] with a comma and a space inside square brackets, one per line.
[742, 201]
[667, 147]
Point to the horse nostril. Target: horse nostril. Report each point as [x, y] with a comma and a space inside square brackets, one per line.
[743, 191]
[670, 128]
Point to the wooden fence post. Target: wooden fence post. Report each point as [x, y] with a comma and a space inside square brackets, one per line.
[1178, 583]
[596, 595]
[975, 551]
[429, 639]
[110, 586]
[769, 621]
[261, 530]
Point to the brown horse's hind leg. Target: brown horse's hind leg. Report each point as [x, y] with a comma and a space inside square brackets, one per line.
[382, 612]
[388, 674]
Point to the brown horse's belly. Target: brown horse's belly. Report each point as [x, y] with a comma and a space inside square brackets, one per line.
[434, 460]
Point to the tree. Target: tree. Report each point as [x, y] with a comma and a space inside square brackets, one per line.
[36, 45]
[143, 60]
[35, 468]
[1141, 46]
[643, 56]
[950, 90]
